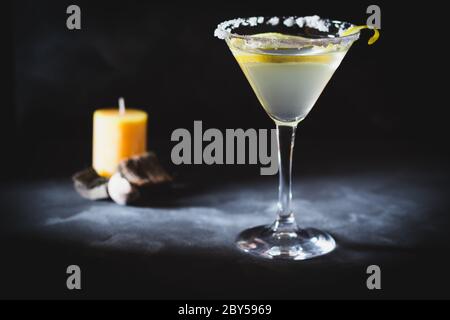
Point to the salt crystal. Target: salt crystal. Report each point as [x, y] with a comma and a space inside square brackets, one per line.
[313, 22]
[300, 22]
[273, 21]
[253, 21]
[288, 22]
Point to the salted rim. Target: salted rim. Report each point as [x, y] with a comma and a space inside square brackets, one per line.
[225, 29]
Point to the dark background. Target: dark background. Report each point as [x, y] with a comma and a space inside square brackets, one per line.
[164, 59]
[382, 109]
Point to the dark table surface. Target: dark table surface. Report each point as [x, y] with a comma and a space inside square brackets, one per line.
[384, 206]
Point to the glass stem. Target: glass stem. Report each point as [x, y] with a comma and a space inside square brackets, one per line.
[286, 140]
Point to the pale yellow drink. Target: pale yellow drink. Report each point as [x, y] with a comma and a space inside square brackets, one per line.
[287, 81]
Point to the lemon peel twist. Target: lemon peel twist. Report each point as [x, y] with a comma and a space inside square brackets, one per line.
[372, 40]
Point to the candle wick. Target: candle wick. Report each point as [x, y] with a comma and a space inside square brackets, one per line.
[121, 106]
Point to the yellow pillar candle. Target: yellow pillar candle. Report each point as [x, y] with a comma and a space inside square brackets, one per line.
[118, 134]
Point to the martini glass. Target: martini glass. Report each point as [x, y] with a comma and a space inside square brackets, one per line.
[288, 61]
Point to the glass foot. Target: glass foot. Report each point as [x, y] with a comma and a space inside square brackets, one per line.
[300, 244]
